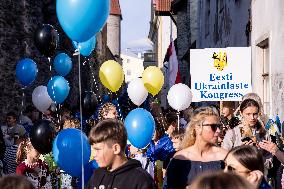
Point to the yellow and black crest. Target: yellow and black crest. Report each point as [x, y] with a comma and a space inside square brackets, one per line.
[220, 60]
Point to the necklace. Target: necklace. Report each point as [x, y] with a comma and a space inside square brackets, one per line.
[30, 165]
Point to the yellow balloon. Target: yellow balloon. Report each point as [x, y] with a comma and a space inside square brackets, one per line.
[153, 79]
[111, 75]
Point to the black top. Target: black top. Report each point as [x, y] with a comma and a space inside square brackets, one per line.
[181, 173]
[130, 175]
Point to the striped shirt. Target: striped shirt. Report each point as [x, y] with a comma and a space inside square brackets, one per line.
[10, 159]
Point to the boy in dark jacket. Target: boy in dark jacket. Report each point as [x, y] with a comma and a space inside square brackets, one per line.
[108, 139]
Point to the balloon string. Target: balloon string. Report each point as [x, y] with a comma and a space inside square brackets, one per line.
[58, 114]
[81, 118]
[23, 99]
[119, 110]
[178, 120]
[49, 61]
[96, 85]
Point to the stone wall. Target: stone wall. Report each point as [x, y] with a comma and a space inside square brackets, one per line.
[18, 22]
[223, 23]
[113, 34]
[183, 40]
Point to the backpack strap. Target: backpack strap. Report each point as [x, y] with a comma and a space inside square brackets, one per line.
[147, 164]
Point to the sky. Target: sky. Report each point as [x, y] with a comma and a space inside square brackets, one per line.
[135, 24]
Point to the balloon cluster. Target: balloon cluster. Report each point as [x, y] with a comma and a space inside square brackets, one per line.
[80, 20]
[152, 81]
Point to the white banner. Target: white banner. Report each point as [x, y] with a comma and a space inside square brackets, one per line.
[220, 74]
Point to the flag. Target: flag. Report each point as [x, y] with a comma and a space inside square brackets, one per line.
[278, 122]
[173, 68]
[273, 130]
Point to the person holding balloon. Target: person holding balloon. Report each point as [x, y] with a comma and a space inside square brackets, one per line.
[36, 170]
[108, 139]
[172, 122]
[159, 151]
[199, 151]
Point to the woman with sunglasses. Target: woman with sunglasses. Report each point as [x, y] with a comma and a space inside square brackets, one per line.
[250, 131]
[199, 151]
[247, 161]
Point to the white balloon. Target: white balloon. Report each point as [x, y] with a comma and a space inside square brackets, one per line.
[41, 99]
[137, 92]
[179, 97]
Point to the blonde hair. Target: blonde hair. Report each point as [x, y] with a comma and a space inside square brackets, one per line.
[24, 146]
[105, 109]
[197, 118]
[71, 123]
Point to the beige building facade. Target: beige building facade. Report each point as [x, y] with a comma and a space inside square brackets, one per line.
[267, 38]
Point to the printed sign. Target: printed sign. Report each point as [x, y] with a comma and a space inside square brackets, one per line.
[220, 74]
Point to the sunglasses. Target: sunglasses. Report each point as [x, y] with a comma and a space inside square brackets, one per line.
[214, 126]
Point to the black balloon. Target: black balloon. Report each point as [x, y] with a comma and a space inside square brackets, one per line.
[46, 39]
[42, 135]
[89, 104]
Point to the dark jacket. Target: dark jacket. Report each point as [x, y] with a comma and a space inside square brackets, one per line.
[129, 176]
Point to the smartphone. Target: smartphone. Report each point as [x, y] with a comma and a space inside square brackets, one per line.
[246, 139]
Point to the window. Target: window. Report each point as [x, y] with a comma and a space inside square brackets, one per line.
[128, 72]
[264, 53]
[128, 60]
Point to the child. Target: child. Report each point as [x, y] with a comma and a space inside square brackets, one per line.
[108, 139]
[172, 122]
[177, 137]
[31, 166]
[10, 155]
[140, 155]
[107, 111]
[160, 151]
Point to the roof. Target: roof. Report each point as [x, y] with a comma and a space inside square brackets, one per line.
[129, 53]
[162, 5]
[115, 7]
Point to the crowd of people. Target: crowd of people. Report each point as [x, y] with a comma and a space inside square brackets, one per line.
[206, 147]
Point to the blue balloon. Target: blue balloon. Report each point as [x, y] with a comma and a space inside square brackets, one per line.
[62, 64]
[140, 126]
[82, 19]
[87, 47]
[58, 89]
[67, 150]
[26, 71]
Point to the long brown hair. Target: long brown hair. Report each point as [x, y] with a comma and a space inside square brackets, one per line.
[249, 156]
[253, 103]
[197, 118]
[22, 150]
